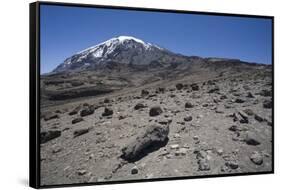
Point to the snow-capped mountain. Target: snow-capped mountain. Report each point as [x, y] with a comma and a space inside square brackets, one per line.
[122, 49]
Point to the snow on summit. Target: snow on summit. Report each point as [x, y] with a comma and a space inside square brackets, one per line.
[123, 49]
[111, 45]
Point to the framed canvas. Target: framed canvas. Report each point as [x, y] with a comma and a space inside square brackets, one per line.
[121, 94]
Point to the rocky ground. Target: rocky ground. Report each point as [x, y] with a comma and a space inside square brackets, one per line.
[220, 124]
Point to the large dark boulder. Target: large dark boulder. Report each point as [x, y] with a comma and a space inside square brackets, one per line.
[153, 138]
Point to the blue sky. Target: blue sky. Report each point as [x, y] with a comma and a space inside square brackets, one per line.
[68, 30]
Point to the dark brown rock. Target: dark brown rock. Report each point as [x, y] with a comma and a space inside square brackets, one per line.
[179, 86]
[194, 87]
[266, 93]
[189, 105]
[239, 100]
[107, 112]
[87, 111]
[214, 90]
[256, 158]
[144, 92]
[152, 139]
[50, 116]
[139, 106]
[77, 120]
[79, 132]
[267, 104]
[259, 118]
[49, 135]
[252, 139]
[154, 111]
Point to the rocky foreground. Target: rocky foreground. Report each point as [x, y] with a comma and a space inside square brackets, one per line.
[183, 127]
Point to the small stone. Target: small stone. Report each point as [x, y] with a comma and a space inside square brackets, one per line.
[189, 105]
[106, 100]
[174, 146]
[144, 93]
[81, 172]
[181, 152]
[259, 118]
[266, 93]
[241, 117]
[187, 118]
[233, 128]
[196, 138]
[107, 112]
[139, 106]
[87, 111]
[232, 164]
[160, 90]
[219, 111]
[249, 112]
[121, 117]
[154, 111]
[223, 97]
[50, 116]
[49, 135]
[256, 157]
[56, 149]
[220, 151]
[165, 121]
[238, 100]
[205, 105]
[77, 120]
[179, 86]
[79, 132]
[213, 90]
[134, 170]
[267, 104]
[250, 95]
[252, 139]
[194, 87]
[203, 164]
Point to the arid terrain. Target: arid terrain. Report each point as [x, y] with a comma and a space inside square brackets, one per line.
[212, 123]
[202, 117]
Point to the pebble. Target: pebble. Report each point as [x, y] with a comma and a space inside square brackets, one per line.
[134, 170]
[82, 172]
[256, 157]
[220, 151]
[181, 152]
[174, 146]
[232, 164]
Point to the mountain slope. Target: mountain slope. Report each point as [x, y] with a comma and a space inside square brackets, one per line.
[123, 49]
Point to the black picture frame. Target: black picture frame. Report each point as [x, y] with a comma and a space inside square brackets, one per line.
[34, 91]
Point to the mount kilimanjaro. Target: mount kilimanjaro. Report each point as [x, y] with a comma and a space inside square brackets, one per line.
[127, 62]
[123, 50]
